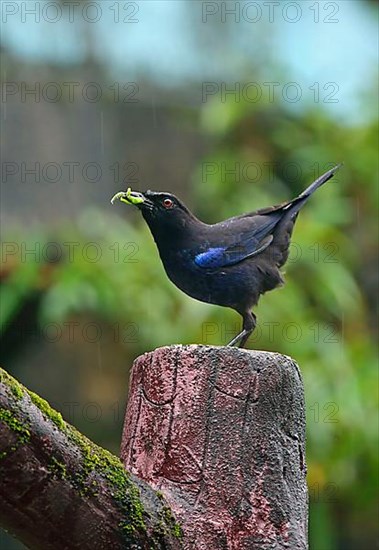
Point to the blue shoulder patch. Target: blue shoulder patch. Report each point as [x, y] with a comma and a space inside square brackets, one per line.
[214, 257]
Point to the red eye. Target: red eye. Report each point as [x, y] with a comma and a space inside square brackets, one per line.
[168, 203]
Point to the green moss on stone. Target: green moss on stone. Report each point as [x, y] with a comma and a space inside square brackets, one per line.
[19, 390]
[47, 411]
[19, 428]
[177, 531]
[57, 468]
[16, 388]
[104, 464]
[15, 425]
[168, 521]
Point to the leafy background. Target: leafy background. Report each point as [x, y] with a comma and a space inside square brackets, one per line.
[74, 317]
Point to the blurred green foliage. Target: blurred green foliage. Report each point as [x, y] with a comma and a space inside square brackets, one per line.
[324, 317]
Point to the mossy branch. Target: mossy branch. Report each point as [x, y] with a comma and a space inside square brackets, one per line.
[59, 490]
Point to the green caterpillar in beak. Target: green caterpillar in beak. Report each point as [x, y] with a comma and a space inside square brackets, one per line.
[128, 196]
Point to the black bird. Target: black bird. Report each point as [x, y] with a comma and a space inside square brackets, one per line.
[230, 263]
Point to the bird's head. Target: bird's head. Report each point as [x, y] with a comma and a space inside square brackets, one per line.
[162, 211]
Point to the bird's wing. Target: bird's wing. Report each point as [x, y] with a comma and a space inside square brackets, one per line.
[250, 234]
[249, 238]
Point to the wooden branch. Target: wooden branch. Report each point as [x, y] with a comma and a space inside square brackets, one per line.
[59, 491]
[221, 432]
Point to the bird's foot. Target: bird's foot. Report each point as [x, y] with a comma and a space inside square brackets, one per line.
[240, 338]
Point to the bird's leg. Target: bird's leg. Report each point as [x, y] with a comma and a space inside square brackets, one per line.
[249, 323]
[252, 321]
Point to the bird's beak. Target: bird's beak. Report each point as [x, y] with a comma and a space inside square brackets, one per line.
[129, 197]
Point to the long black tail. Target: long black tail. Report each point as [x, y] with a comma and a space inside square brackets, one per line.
[294, 206]
[283, 231]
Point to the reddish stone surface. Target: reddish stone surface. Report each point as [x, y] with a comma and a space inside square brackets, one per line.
[221, 432]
